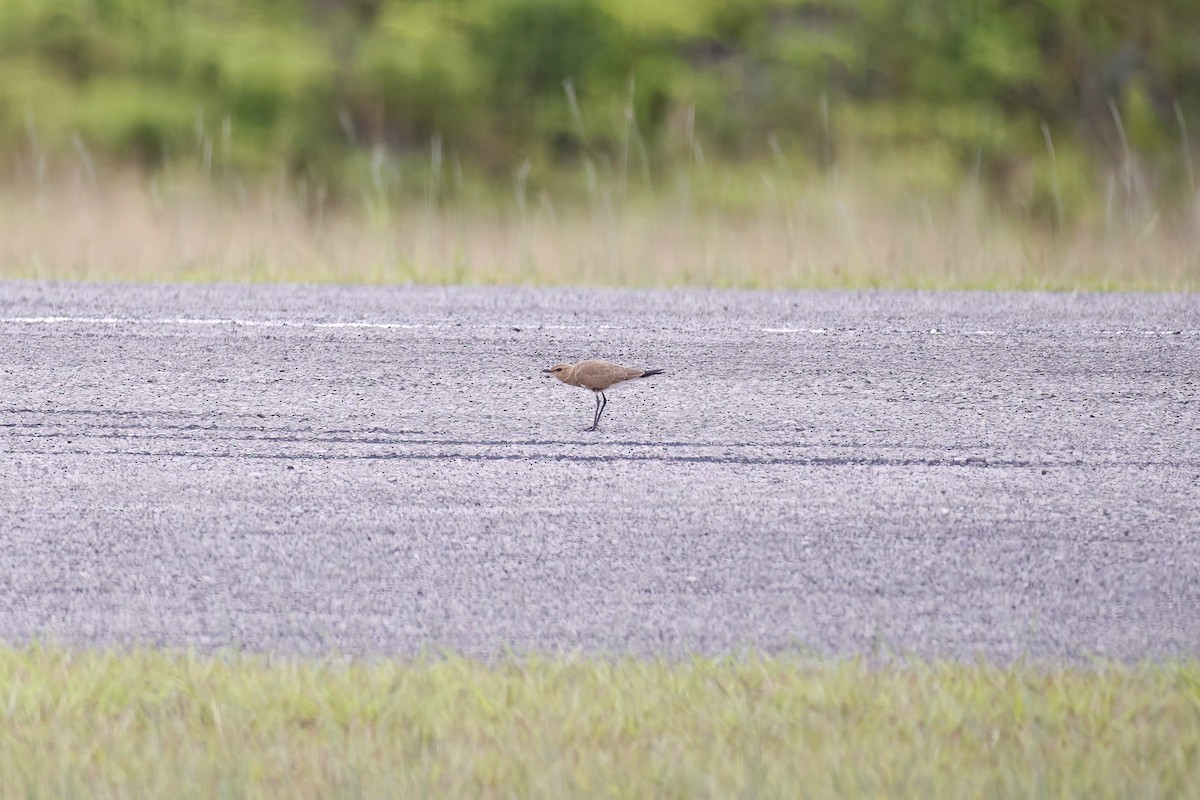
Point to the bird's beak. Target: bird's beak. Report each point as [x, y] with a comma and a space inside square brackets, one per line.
[545, 372]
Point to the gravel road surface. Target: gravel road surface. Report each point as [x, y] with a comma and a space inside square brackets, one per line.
[380, 471]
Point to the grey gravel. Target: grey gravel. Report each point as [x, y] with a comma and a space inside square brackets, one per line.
[959, 475]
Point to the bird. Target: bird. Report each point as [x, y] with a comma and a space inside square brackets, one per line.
[599, 376]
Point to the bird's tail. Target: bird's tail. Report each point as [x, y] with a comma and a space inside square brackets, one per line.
[650, 372]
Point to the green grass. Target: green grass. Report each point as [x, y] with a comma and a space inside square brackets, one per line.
[144, 723]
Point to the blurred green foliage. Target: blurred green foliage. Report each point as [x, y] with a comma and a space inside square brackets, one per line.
[936, 89]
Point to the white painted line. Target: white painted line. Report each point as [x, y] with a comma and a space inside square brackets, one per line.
[566, 327]
[249, 323]
[278, 323]
[941, 332]
[525, 326]
[794, 330]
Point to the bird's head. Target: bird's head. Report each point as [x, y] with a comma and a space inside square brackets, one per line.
[560, 371]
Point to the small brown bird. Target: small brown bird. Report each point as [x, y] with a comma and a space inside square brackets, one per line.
[599, 376]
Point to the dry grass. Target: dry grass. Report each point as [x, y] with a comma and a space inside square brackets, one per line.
[768, 234]
[148, 724]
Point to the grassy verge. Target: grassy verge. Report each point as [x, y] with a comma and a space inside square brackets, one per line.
[144, 723]
[760, 230]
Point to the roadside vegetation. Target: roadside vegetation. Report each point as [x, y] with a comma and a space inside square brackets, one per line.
[145, 723]
[760, 143]
[753, 230]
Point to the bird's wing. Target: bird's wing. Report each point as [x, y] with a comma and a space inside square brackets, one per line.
[626, 373]
[599, 375]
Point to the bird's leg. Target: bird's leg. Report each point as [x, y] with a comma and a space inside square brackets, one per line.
[603, 406]
[596, 419]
